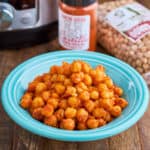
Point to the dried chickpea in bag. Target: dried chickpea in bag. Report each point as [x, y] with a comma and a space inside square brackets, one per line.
[124, 31]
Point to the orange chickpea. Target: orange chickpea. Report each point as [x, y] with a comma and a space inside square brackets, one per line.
[76, 66]
[59, 114]
[60, 88]
[46, 77]
[62, 104]
[84, 96]
[92, 123]
[99, 113]
[118, 91]
[116, 111]
[102, 122]
[51, 121]
[89, 105]
[54, 78]
[73, 102]
[94, 95]
[53, 70]
[86, 67]
[108, 81]
[81, 126]
[54, 95]
[87, 79]
[102, 87]
[45, 95]
[93, 73]
[67, 124]
[82, 115]
[106, 94]
[99, 76]
[37, 113]
[47, 110]
[37, 102]
[38, 79]
[67, 82]
[25, 103]
[70, 91]
[67, 68]
[77, 77]
[121, 102]
[28, 95]
[32, 86]
[100, 67]
[70, 112]
[106, 104]
[108, 117]
[40, 87]
[53, 102]
[97, 103]
[81, 87]
[60, 78]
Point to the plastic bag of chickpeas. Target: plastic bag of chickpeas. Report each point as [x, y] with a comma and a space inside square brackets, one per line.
[124, 31]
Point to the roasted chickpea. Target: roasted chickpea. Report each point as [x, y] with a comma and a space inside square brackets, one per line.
[76, 66]
[81, 126]
[37, 113]
[54, 95]
[67, 82]
[53, 102]
[115, 111]
[118, 91]
[46, 77]
[62, 104]
[71, 91]
[68, 124]
[67, 68]
[108, 81]
[47, 110]
[37, 102]
[102, 87]
[26, 102]
[108, 117]
[60, 88]
[84, 96]
[89, 105]
[99, 113]
[81, 87]
[102, 122]
[106, 94]
[92, 123]
[121, 102]
[51, 121]
[86, 67]
[82, 115]
[59, 114]
[45, 95]
[40, 87]
[73, 102]
[32, 86]
[53, 70]
[106, 104]
[94, 95]
[70, 112]
[60, 78]
[87, 79]
[77, 77]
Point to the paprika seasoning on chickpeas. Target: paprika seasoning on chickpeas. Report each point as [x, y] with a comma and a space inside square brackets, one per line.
[79, 99]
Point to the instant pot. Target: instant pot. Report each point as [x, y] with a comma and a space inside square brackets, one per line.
[25, 22]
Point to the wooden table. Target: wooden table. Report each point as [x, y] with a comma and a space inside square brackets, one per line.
[13, 137]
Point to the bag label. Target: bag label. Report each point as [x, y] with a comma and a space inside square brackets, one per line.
[131, 20]
[74, 31]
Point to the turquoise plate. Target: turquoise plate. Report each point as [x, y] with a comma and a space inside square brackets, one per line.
[134, 86]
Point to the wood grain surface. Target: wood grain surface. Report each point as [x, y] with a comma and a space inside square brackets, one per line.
[13, 137]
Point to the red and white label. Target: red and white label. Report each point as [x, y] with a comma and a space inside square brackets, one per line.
[74, 31]
[132, 21]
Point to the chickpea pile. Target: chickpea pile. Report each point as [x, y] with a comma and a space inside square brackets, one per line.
[136, 54]
[74, 97]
